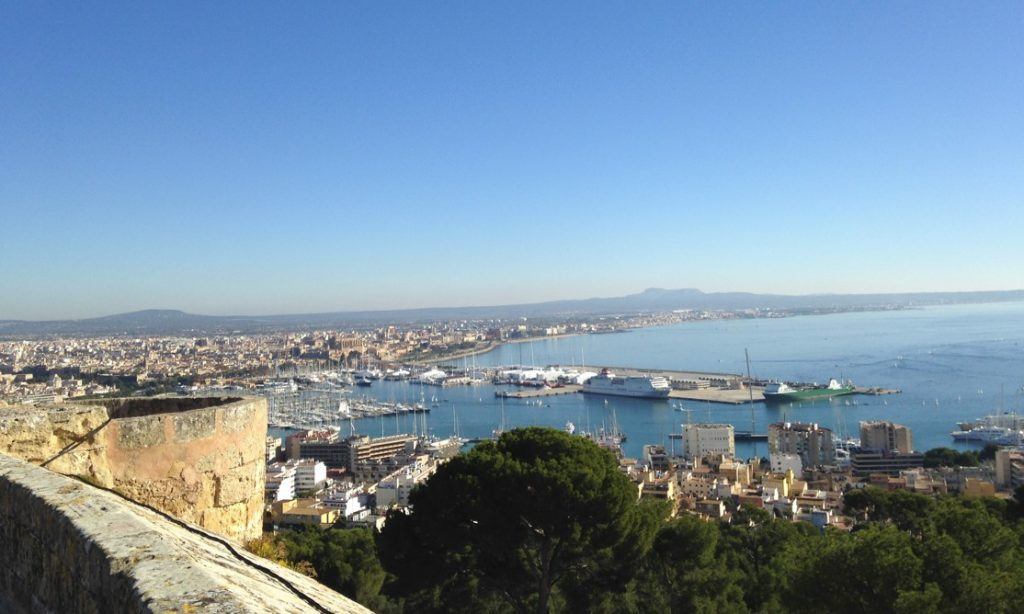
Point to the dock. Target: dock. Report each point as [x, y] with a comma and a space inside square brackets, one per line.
[708, 395]
[727, 396]
[876, 391]
[534, 393]
[748, 436]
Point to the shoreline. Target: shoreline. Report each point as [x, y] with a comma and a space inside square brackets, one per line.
[496, 345]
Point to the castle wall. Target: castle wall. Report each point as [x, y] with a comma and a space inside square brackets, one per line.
[201, 460]
[66, 546]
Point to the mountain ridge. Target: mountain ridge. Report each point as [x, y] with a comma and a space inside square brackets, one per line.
[166, 321]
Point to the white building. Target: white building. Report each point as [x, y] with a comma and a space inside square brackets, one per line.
[280, 482]
[310, 475]
[394, 489]
[352, 501]
[700, 440]
[781, 462]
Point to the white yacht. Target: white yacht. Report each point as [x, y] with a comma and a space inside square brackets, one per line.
[989, 434]
[1001, 428]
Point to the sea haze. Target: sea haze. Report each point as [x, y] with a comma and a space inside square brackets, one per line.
[169, 321]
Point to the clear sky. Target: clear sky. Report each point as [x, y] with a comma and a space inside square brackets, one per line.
[259, 159]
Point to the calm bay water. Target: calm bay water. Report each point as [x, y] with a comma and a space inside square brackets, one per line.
[950, 362]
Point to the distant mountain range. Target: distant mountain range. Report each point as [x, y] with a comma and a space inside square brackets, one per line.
[169, 321]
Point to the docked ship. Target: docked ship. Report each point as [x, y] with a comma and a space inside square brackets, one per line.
[990, 434]
[780, 392]
[642, 386]
[1002, 429]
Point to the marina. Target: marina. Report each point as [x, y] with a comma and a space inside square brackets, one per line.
[317, 408]
[386, 399]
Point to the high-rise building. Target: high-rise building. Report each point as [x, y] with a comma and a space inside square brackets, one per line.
[886, 437]
[700, 440]
[811, 442]
[345, 453]
[864, 461]
[1009, 468]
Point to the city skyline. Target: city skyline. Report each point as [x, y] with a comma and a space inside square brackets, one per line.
[223, 161]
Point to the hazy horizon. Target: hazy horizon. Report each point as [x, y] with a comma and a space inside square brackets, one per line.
[426, 307]
[363, 157]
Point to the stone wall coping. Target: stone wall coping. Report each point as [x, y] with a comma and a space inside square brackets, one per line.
[170, 565]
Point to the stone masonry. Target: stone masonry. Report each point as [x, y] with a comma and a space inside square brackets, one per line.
[201, 460]
[66, 546]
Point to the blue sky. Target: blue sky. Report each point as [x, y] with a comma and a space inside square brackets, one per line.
[249, 158]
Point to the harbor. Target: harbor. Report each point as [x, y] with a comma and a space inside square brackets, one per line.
[389, 393]
[892, 379]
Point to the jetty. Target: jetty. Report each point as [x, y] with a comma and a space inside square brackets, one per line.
[727, 396]
[534, 393]
[875, 391]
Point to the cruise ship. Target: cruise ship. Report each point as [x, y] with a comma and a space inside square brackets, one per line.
[643, 386]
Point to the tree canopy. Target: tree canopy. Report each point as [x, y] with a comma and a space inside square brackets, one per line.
[948, 457]
[535, 517]
[541, 521]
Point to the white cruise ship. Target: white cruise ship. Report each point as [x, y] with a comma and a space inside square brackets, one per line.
[643, 386]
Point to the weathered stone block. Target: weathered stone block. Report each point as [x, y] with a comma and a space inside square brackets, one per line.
[236, 485]
[134, 433]
[192, 425]
[236, 418]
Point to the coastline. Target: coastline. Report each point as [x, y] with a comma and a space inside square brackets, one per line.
[494, 345]
[490, 348]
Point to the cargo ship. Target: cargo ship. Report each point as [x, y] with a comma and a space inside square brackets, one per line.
[780, 392]
[641, 386]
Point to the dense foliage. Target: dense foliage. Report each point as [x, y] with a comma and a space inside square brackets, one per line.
[537, 518]
[948, 457]
[540, 521]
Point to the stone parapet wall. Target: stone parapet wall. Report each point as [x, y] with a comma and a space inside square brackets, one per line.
[66, 546]
[201, 460]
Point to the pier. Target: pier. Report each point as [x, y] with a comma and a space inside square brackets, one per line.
[875, 391]
[534, 393]
[727, 396]
[748, 436]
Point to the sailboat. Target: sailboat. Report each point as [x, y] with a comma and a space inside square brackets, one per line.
[502, 426]
[611, 438]
[455, 427]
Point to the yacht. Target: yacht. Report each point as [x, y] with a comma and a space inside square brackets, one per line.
[989, 434]
[1002, 428]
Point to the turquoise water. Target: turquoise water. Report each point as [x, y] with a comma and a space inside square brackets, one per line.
[950, 362]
